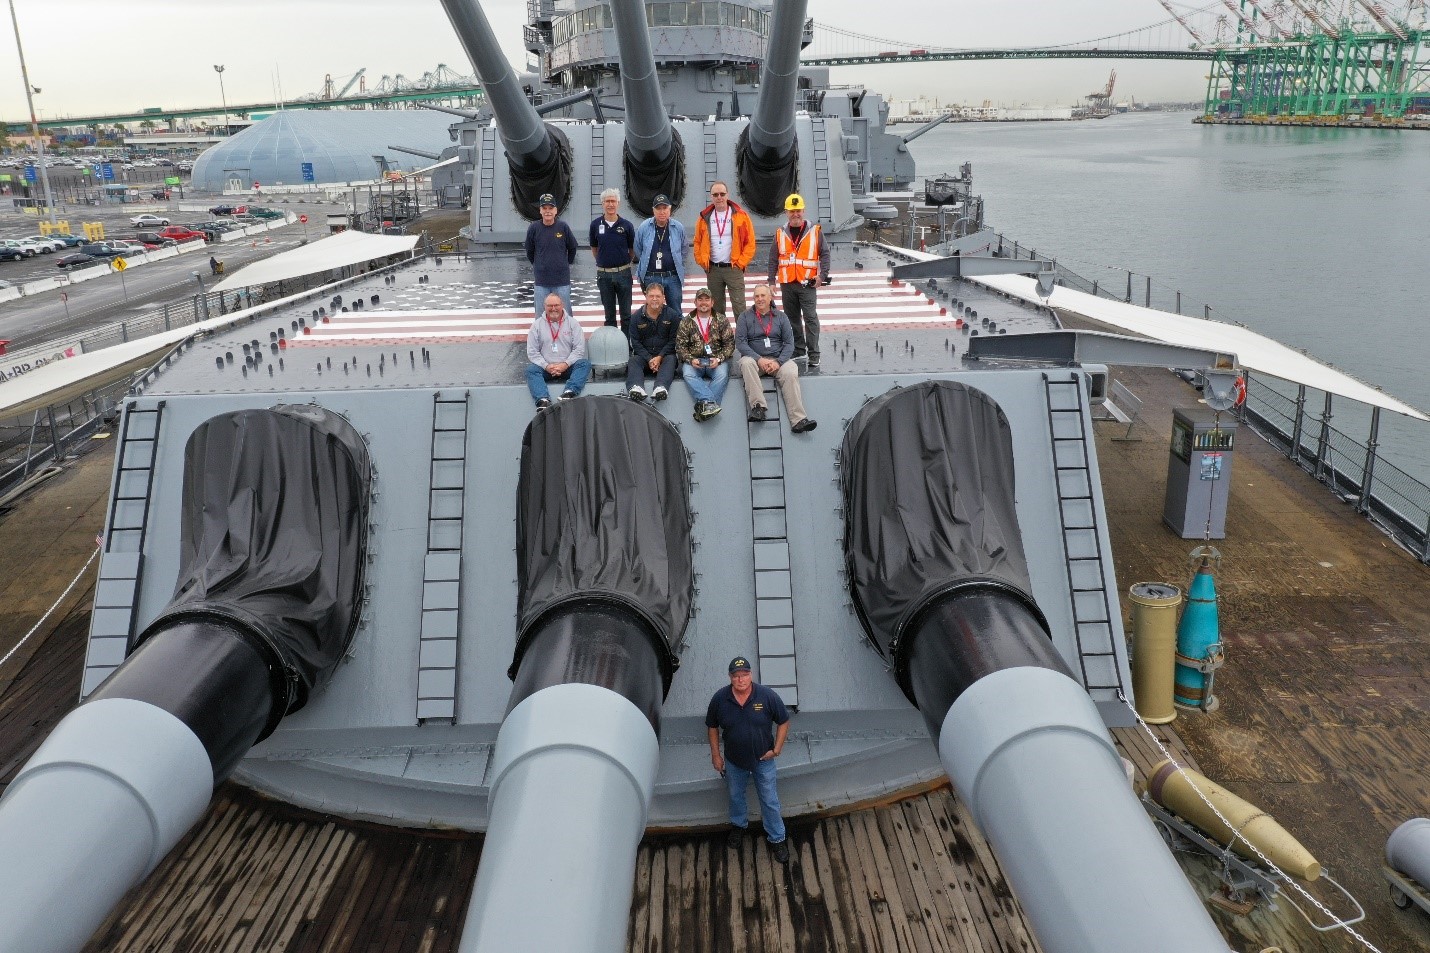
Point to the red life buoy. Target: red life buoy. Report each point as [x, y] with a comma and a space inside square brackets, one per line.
[1240, 391]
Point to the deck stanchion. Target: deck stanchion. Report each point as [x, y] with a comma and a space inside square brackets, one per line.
[1149, 291]
[1128, 297]
[1179, 302]
[1299, 424]
[1371, 443]
[1323, 443]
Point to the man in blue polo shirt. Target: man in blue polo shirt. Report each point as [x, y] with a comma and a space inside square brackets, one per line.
[613, 241]
[754, 722]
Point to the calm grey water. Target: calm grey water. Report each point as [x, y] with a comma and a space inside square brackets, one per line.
[1319, 238]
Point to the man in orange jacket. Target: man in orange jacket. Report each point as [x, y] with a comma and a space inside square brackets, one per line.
[724, 248]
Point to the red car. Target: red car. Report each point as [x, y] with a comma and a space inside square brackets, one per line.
[180, 234]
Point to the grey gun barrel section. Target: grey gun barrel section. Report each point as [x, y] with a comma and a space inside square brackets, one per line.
[601, 600]
[521, 128]
[940, 582]
[1408, 849]
[648, 132]
[772, 124]
[273, 533]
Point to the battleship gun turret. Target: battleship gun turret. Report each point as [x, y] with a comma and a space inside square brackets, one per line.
[940, 582]
[538, 153]
[767, 156]
[273, 551]
[654, 156]
[605, 583]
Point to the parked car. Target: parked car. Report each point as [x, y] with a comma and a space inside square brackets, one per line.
[222, 210]
[104, 250]
[26, 249]
[74, 259]
[154, 239]
[149, 221]
[12, 253]
[71, 241]
[128, 246]
[258, 212]
[46, 243]
[180, 234]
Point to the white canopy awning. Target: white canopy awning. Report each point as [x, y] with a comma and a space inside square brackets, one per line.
[336, 251]
[1253, 351]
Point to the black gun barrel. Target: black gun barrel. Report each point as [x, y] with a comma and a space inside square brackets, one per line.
[538, 155]
[654, 156]
[767, 155]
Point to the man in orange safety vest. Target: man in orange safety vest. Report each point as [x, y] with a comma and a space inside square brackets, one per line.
[799, 264]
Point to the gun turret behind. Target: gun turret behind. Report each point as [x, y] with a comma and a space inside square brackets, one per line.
[768, 156]
[654, 155]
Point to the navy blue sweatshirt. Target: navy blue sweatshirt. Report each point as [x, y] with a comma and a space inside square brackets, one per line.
[551, 249]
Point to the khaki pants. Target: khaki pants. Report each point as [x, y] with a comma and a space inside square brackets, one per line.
[721, 277]
[787, 378]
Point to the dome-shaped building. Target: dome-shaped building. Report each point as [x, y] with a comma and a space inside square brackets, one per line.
[339, 143]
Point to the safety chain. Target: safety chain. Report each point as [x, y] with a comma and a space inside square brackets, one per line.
[36, 627]
[1236, 834]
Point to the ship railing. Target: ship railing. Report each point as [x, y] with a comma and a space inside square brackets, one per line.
[36, 440]
[1297, 420]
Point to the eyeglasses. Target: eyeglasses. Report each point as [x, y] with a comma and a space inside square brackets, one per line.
[719, 195]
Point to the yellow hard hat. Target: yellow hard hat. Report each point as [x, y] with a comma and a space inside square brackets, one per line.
[795, 201]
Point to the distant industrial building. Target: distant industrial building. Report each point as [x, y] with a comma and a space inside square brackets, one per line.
[339, 145]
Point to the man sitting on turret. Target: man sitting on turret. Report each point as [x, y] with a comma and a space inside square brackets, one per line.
[660, 252]
[556, 350]
[704, 345]
[651, 329]
[766, 344]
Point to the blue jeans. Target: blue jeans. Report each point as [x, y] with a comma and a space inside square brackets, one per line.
[673, 285]
[615, 288]
[541, 291]
[575, 378]
[737, 780]
[705, 383]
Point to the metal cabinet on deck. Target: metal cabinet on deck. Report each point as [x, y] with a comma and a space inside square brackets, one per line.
[1199, 473]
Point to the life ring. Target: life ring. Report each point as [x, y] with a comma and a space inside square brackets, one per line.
[1240, 389]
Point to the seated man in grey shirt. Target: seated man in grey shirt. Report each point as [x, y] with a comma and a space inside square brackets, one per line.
[555, 351]
[765, 342]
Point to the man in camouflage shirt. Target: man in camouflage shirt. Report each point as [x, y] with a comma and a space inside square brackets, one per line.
[704, 345]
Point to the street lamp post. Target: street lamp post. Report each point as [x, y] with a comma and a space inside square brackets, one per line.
[34, 122]
[222, 95]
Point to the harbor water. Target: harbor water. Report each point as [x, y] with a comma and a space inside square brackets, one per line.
[1319, 238]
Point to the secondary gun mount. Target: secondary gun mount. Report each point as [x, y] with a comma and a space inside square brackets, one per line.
[274, 547]
[538, 154]
[936, 567]
[605, 583]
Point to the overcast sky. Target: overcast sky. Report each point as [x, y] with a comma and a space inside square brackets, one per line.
[92, 56]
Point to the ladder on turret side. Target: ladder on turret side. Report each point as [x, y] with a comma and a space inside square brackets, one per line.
[486, 179]
[774, 595]
[116, 593]
[1092, 603]
[442, 568]
[823, 192]
[598, 168]
[710, 143]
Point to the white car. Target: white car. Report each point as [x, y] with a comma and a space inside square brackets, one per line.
[46, 243]
[146, 220]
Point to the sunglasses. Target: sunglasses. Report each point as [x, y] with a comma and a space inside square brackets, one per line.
[719, 195]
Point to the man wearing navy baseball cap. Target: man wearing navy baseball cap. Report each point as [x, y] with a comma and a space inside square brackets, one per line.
[551, 248]
[755, 723]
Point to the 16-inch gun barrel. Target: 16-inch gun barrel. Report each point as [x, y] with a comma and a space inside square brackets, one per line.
[273, 541]
[940, 582]
[539, 156]
[654, 156]
[605, 583]
[767, 156]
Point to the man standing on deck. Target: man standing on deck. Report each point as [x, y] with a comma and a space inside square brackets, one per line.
[799, 263]
[660, 252]
[551, 248]
[724, 247]
[755, 723]
[613, 242]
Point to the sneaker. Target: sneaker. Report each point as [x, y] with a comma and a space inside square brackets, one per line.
[637, 393]
[569, 395]
[813, 363]
[711, 409]
[660, 393]
[805, 425]
[543, 403]
[781, 851]
[758, 412]
[735, 837]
